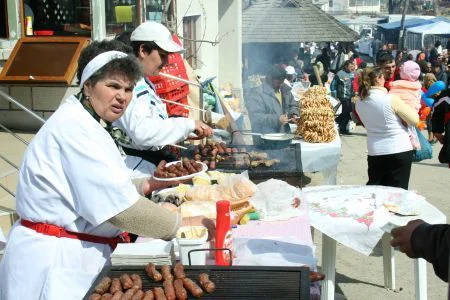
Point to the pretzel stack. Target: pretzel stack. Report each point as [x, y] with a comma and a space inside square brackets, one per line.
[316, 124]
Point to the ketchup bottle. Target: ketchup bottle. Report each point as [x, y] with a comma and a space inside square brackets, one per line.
[223, 233]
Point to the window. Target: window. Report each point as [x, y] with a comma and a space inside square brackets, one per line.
[330, 3]
[121, 15]
[190, 35]
[358, 3]
[3, 20]
[57, 61]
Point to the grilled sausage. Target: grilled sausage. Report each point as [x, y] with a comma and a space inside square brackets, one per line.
[153, 273]
[127, 282]
[129, 294]
[116, 286]
[138, 295]
[103, 286]
[106, 296]
[207, 285]
[158, 293]
[192, 287]
[117, 295]
[178, 271]
[95, 296]
[187, 164]
[148, 295]
[180, 291]
[166, 272]
[137, 281]
[169, 290]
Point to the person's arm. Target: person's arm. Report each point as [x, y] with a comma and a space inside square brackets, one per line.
[431, 242]
[146, 218]
[406, 113]
[146, 128]
[293, 108]
[421, 240]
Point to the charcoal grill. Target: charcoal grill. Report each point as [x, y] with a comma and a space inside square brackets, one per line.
[289, 169]
[236, 282]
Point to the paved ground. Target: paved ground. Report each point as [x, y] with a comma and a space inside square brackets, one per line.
[361, 277]
[358, 276]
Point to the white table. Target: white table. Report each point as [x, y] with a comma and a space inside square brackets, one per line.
[321, 157]
[428, 213]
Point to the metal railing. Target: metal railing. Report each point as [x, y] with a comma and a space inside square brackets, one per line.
[31, 113]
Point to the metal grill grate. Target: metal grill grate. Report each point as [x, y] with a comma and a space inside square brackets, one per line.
[235, 282]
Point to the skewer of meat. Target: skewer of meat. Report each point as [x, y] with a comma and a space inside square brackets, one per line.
[169, 290]
[137, 281]
[103, 285]
[153, 273]
[127, 282]
[206, 284]
[178, 271]
[116, 286]
[180, 291]
[192, 287]
[166, 272]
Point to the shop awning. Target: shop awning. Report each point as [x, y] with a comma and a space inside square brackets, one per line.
[408, 23]
[281, 21]
[441, 28]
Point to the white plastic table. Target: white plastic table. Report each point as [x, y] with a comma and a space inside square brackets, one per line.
[428, 213]
[321, 157]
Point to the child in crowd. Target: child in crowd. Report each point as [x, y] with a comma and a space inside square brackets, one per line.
[408, 89]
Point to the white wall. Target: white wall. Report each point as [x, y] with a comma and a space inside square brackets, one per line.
[230, 47]
[209, 29]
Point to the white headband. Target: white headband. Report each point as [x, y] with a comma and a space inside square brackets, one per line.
[98, 62]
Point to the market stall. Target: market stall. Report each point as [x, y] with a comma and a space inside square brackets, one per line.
[421, 36]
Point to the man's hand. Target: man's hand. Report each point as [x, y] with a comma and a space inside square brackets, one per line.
[402, 237]
[284, 119]
[202, 130]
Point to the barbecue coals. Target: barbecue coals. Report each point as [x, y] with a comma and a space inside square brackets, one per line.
[172, 287]
[317, 122]
[219, 155]
[179, 169]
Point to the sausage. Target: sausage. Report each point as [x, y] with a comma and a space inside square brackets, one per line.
[171, 175]
[160, 174]
[158, 293]
[166, 272]
[127, 282]
[212, 165]
[137, 281]
[106, 296]
[116, 286]
[187, 164]
[117, 295]
[180, 291]
[95, 296]
[169, 290]
[220, 149]
[103, 285]
[192, 287]
[138, 295]
[207, 285]
[148, 295]
[178, 271]
[128, 294]
[153, 273]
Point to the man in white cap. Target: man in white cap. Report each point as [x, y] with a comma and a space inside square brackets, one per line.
[146, 123]
[288, 91]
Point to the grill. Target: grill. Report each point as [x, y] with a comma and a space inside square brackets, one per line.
[289, 169]
[236, 282]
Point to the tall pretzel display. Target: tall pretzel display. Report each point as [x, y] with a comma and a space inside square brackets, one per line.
[316, 124]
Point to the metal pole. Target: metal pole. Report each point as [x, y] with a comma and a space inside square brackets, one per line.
[13, 134]
[401, 39]
[10, 99]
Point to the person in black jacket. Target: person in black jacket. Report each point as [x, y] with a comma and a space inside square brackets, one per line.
[421, 240]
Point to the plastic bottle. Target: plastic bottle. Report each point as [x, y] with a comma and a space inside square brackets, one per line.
[223, 233]
[29, 25]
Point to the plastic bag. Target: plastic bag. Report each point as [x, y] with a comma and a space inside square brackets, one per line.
[426, 151]
[275, 198]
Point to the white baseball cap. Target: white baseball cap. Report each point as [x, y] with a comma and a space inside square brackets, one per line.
[155, 32]
[290, 70]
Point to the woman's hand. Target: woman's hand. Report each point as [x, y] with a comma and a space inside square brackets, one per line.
[202, 130]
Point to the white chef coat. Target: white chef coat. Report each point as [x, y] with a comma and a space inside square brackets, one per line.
[72, 176]
[147, 124]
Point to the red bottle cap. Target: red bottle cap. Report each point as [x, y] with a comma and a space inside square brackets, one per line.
[223, 206]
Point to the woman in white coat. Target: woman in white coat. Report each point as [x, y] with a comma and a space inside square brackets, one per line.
[75, 195]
